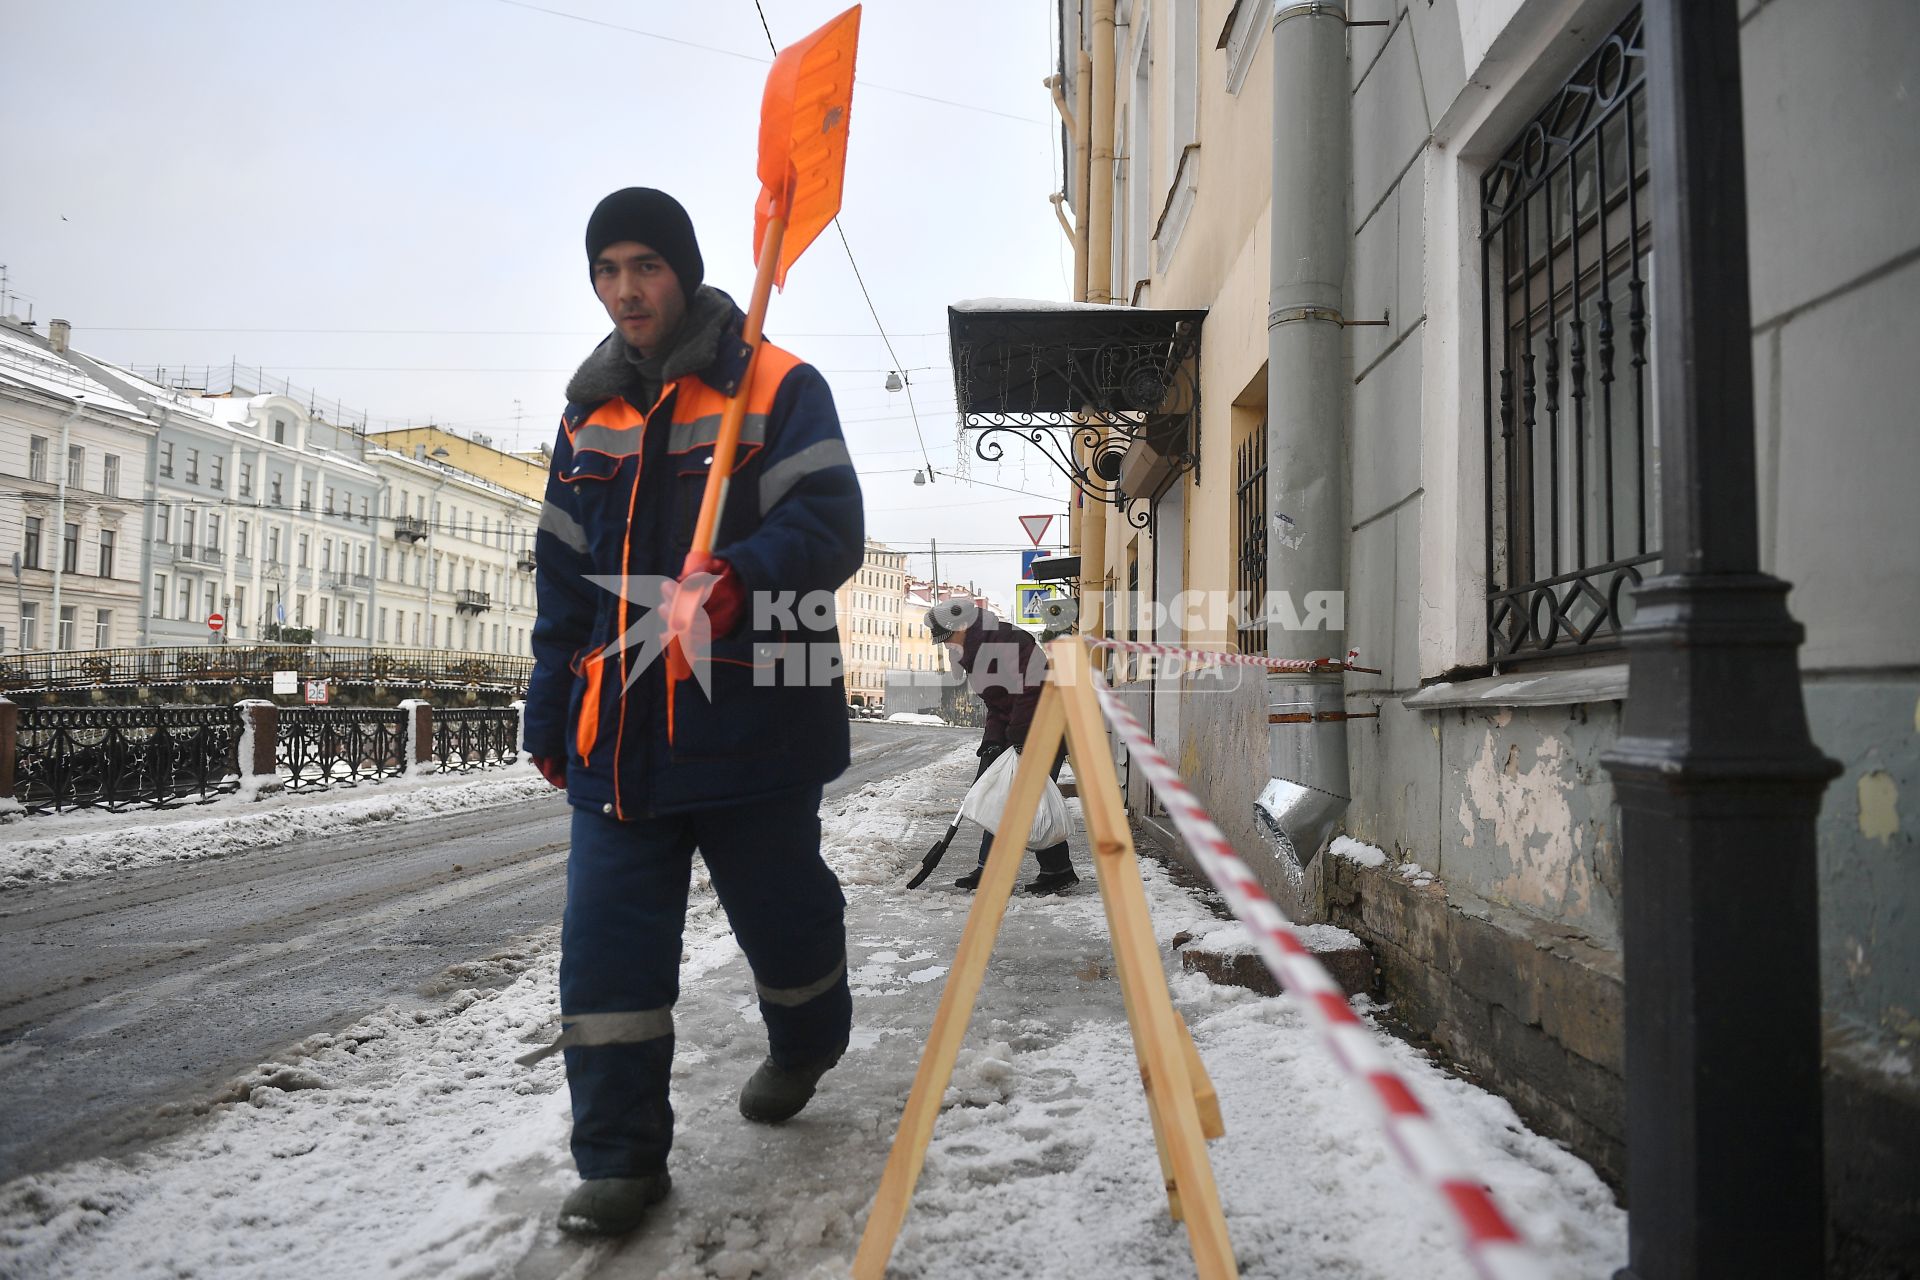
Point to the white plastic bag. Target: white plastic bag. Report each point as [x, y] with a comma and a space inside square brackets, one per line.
[988, 800]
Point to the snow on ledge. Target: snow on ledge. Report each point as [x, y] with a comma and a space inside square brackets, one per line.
[1033, 304]
[1233, 939]
[1364, 855]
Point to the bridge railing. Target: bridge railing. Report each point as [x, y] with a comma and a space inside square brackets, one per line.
[256, 663]
[56, 759]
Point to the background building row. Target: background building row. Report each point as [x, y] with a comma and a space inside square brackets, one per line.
[138, 512]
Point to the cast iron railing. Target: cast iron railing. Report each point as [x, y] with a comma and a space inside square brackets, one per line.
[466, 738]
[1572, 481]
[318, 747]
[255, 664]
[124, 757]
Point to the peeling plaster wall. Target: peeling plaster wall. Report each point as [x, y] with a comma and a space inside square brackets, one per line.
[1529, 814]
[1509, 805]
[1870, 853]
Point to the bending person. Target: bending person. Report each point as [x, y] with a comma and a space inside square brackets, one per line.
[1007, 669]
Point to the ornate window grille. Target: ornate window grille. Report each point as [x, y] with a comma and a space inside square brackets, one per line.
[1136, 666]
[1572, 474]
[1250, 569]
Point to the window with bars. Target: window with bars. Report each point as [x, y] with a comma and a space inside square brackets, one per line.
[1250, 522]
[1572, 472]
[1136, 666]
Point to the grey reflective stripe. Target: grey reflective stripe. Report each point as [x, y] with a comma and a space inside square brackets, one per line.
[557, 522]
[706, 430]
[618, 442]
[585, 1030]
[791, 996]
[777, 479]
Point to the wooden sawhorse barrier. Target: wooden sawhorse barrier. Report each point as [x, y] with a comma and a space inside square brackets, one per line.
[1181, 1102]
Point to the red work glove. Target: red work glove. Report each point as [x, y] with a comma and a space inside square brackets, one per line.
[725, 598]
[554, 771]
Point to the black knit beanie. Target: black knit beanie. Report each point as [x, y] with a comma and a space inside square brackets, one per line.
[652, 218]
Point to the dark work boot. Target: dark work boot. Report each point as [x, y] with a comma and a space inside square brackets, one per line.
[774, 1093]
[612, 1206]
[1052, 882]
[969, 881]
[1056, 871]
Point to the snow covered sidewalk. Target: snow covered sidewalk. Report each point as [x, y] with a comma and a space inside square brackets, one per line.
[410, 1145]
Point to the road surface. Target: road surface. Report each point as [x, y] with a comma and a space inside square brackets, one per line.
[125, 993]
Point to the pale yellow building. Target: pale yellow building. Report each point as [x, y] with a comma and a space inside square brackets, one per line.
[869, 607]
[476, 455]
[918, 650]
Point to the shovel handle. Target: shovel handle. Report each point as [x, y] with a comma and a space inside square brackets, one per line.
[724, 448]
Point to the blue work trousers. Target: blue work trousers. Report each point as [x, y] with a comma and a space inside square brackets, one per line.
[620, 959]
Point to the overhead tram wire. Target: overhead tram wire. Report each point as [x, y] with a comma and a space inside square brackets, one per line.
[748, 57]
[436, 333]
[405, 368]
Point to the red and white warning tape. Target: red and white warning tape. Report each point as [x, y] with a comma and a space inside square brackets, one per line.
[1496, 1250]
[1211, 657]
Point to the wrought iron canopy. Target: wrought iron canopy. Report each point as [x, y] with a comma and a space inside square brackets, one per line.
[1087, 384]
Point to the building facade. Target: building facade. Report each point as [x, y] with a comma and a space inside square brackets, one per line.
[1496, 473]
[455, 562]
[918, 649]
[525, 474]
[264, 514]
[868, 606]
[180, 508]
[73, 458]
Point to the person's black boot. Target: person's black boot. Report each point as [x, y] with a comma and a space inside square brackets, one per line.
[774, 1093]
[969, 881]
[1052, 882]
[612, 1206]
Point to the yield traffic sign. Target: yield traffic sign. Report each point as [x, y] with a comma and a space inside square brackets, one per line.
[1036, 527]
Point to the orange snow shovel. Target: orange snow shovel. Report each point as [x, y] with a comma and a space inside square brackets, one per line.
[803, 162]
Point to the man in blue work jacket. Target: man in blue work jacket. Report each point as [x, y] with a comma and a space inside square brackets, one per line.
[730, 759]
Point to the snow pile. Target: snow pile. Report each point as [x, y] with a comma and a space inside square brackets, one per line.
[1363, 855]
[915, 717]
[73, 846]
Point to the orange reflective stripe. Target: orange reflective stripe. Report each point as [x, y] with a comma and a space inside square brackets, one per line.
[613, 429]
[588, 731]
[697, 400]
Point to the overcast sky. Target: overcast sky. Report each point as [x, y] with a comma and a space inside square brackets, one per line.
[200, 181]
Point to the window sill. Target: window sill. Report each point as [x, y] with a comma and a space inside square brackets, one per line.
[1178, 206]
[1548, 689]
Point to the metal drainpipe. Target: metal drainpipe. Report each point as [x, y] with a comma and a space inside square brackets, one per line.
[1093, 524]
[60, 524]
[158, 415]
[1307, 787]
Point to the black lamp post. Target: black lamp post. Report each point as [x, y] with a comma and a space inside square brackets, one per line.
[1717, 778]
